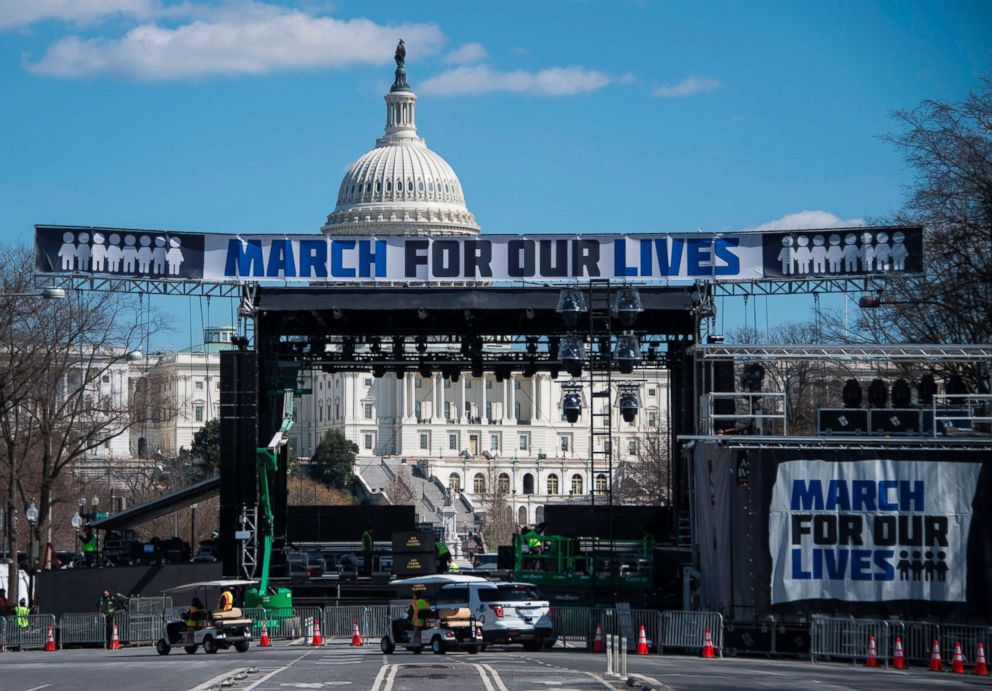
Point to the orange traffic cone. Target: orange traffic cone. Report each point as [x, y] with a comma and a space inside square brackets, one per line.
[957, 664]
[935, 665]
[707, 650]
[981, 669]
[50, 641]
[642, 642]
[898, 659]
[115, 640]
[872, 660]
[264, 642]
[597, 642]
[356, 635]
[317, 640]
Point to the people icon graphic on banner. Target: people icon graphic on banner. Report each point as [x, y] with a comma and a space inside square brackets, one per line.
[815, 253]
[934, 567]
[160, 255]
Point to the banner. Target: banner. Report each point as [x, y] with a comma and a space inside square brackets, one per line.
[228, 258]
[869, 531]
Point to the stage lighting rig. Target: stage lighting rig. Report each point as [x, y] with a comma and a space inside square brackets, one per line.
[878, 394]
[927, 389]
[571, 304]
[571, 401]
[629, 402]
[627, 352]
[627, 305]
[851, 394]
[752, 377]
[902, 395]
[572, 353]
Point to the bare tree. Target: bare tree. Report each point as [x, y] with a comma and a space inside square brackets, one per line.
[399, 490]
[498, 524]
[647, 480]
[63, 384]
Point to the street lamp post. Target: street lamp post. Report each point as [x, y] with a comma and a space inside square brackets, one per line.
[77, 522]
[32, 515]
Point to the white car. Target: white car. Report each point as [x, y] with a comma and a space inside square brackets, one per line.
[509, 612]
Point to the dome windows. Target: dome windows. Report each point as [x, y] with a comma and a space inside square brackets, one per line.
[420, 185]
[389, 186]
[378, 186]
[409, 185]
[430, 187]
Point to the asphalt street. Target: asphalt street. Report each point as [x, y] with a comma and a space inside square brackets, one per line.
[286, 667]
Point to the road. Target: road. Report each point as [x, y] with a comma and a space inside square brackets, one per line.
[286, 667]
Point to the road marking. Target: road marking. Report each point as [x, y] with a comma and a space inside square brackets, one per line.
[485, 679]
[35, 688]
[275, 671]
[496, 679]
[382, 673]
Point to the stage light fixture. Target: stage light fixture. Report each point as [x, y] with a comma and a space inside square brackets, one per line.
[902, 395]
[954, 386]
[627, 352]
[571, 402]
[338, 313]
[629, 403]
[347, 348]
[571, 304]
[422, 313]
[927, 389]
[878, 394]
[424, 368]
[421, 342]
[627, 305]
[870, 301]
[554, 344]
[530, 369]
[375, 345]
[529, 313]
[752, 377]
[571, 349]
[851, 394]
[477, 368]
[378, 371]
[532, 342]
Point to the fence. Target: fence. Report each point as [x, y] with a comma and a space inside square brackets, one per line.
[135, 629]
[917, 638]
[83, 629]
[686, 630]
[573, 624]
[28, 631]
[839, 638]
[149, 605]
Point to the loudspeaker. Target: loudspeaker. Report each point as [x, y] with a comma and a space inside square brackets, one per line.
[900, 421]
[842, 421]
[719, 377]
[238, 440]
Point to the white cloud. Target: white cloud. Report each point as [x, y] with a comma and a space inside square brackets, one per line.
[687, 87]
[259, 39]
[466, 53]
[19, 13]
[809, 220]
[554, 81]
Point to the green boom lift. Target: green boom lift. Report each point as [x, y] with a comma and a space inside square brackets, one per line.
[279, 602]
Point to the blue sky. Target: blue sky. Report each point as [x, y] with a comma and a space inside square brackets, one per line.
[557, 116]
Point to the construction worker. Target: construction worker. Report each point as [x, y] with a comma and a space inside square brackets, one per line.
[22, 613]
[225, 603]
[368, 544]
[4, 605]
[443, 556]
[453, 567]
[196, 614]
[419, 608]
[106, 606]
[89, 543]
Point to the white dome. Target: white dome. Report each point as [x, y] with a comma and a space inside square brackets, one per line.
[400, 187]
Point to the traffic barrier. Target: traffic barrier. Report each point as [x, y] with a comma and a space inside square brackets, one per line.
[149, 605]
[29, 631]
[872, 660]
[317, 639]
[917, 637]
[981, 668]
[573, 625]
[898, 659]
[264, 641]
[642, 642]
[707, 649]
[935, 663]
[957, 663]
[968, 635]
[144, 628]
[685, 630]
[842, 638]
[3, 634]
[115, 641]
[356, 635]
[338, 620]
[300, 615]
[597, 642]
[83, 629]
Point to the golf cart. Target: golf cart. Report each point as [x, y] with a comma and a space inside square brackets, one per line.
[212, 629]
[447, 625]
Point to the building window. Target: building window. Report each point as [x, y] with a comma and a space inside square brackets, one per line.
[198, 413]
[494, 442]
[447, 383]
[337, 410]
[416, 410]
[563, 442]
[455, 482]
[516, 410]
[368, 382]
[425, 440]
[320, 411]
[489, 410]
[468, 383]
[524, 442]
[453, 442]
[199, 385]
[368, 441]
[652, 391]
[576, 484]
[517, 384]
[479, 483]
[652, 418]
[503, 483]
[417, 383]
[552, 484]
[489, 383]
[368, 411]
[632, 446]
[601, 484]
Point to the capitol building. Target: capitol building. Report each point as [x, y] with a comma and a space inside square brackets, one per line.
[454, 440]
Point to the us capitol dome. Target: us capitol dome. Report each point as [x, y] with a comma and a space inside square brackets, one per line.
[400, 187]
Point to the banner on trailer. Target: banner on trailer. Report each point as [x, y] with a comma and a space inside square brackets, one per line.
[227, 258]
[873, 530]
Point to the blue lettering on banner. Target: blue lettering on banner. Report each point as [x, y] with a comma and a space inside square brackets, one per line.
[857, 495]
[281, 261]
[367, 259]
[243, 258]
[839, 564]
[313, 258]
[338, 269]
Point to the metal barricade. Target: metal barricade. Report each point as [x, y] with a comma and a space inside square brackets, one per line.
[144, 628]
[573, 625]
[29, 631]
[651, 620]
[83, 629]
[149, 605]
[378, 619]
[3, 634]
[338, 620]
[686, 630]
[839, 638]
[917, 638]
[969, 636]
[297, 625]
